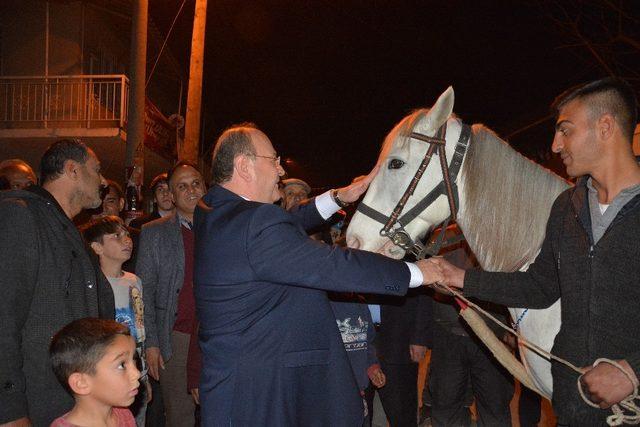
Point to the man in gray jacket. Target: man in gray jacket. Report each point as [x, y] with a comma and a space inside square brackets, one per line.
[165, 265]
[47, 279]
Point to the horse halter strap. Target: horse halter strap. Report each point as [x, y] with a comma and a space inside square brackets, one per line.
[394, 225]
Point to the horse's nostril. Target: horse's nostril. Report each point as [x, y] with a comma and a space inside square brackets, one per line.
[353, 242]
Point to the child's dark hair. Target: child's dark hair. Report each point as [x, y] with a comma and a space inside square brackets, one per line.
[94, 230]
[79, 346]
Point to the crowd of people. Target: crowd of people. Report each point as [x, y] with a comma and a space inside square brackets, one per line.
[237, 303]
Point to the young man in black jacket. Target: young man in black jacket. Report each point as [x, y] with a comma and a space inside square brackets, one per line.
[590, 255]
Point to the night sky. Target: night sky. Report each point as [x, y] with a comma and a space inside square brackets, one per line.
[327, 80]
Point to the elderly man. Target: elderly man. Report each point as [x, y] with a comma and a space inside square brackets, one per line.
[165, 265]
[271, 351]
[18, 174]
[294, 191]
[47, 279]
[589, 255]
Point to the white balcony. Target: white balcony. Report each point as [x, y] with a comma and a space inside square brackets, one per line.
[63, 106]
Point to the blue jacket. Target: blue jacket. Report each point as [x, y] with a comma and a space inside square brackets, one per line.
[272, 354]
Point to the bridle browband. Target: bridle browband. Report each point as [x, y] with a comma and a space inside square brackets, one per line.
[394, 225]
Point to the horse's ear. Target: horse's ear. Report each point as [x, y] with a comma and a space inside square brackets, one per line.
[442, 109]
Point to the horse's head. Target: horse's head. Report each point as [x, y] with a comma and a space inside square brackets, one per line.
[399, 160]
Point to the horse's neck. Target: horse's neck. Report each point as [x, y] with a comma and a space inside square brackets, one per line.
[504, 221]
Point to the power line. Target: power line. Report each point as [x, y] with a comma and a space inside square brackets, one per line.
[164, 43]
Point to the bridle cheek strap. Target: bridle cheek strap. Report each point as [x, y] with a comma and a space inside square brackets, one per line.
[394, 225]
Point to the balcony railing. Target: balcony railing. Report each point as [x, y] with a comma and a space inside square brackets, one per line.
[82, 101]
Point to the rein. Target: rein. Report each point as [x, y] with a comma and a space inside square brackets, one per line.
[394, 225]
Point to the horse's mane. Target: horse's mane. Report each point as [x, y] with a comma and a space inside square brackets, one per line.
[507, 199]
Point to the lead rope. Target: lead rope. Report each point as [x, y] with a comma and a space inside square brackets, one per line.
[628, 403]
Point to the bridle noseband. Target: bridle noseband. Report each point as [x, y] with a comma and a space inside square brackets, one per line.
[394, 225]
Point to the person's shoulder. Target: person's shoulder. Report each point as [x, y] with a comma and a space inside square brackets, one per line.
[139, 222]
[269, 212]
[566, 195]
[19, 207]
[19, 198]
[61, 422]
[131, 278]
[124, 416]
[159, 223]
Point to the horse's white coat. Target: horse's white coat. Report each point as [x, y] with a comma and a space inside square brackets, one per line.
[538, 326]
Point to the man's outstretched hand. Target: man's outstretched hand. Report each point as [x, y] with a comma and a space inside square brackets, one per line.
[450, 275]
[353, 191]
[431, 272]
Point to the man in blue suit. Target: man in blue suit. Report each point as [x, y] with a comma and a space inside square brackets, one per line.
[272, 354]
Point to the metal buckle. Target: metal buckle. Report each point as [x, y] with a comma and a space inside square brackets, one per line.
[398, 237]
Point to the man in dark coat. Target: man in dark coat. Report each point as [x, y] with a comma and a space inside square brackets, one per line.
[589, 256]
[47, 279]
[403, 333]
[162, 202]
[272, 353]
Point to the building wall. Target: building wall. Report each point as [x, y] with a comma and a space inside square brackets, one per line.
[65, 38]
[23, 37]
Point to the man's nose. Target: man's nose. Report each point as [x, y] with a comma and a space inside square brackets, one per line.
[556, 145]
[103, 181]
[280, 170]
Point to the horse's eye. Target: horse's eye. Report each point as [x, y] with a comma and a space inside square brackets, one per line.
[396, 164]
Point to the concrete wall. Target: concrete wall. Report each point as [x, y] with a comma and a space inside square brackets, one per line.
[110, 151]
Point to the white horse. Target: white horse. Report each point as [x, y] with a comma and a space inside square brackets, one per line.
[504, 203]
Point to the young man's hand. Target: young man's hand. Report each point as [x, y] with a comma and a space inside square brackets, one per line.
[606, 384]
[450, 274]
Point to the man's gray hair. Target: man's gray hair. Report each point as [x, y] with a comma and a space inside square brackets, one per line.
[234, 141]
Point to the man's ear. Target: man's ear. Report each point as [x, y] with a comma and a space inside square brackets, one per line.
[80, 383]
[244, 167]
[97, 248]
[70, 168]
[606, 126]
[120, 204]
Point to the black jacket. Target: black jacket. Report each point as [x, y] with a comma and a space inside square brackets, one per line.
[600, 290]
[405, 320]
[47, 279]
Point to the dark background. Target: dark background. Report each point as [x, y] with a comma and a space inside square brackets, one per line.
[327, 80]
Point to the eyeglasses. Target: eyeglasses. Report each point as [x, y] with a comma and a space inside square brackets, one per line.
[276, 159]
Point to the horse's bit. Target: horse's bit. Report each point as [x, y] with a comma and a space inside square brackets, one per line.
[394, 225]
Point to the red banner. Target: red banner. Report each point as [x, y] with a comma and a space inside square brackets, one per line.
[159, 132]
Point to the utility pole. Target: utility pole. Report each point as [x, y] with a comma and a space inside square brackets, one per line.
[137, 77]
[189, 150]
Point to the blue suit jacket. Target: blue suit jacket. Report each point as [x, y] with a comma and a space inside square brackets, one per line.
[272, 353]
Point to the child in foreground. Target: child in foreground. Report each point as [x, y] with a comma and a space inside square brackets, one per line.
[94, 361]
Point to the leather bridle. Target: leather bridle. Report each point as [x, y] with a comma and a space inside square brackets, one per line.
[394, 225]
